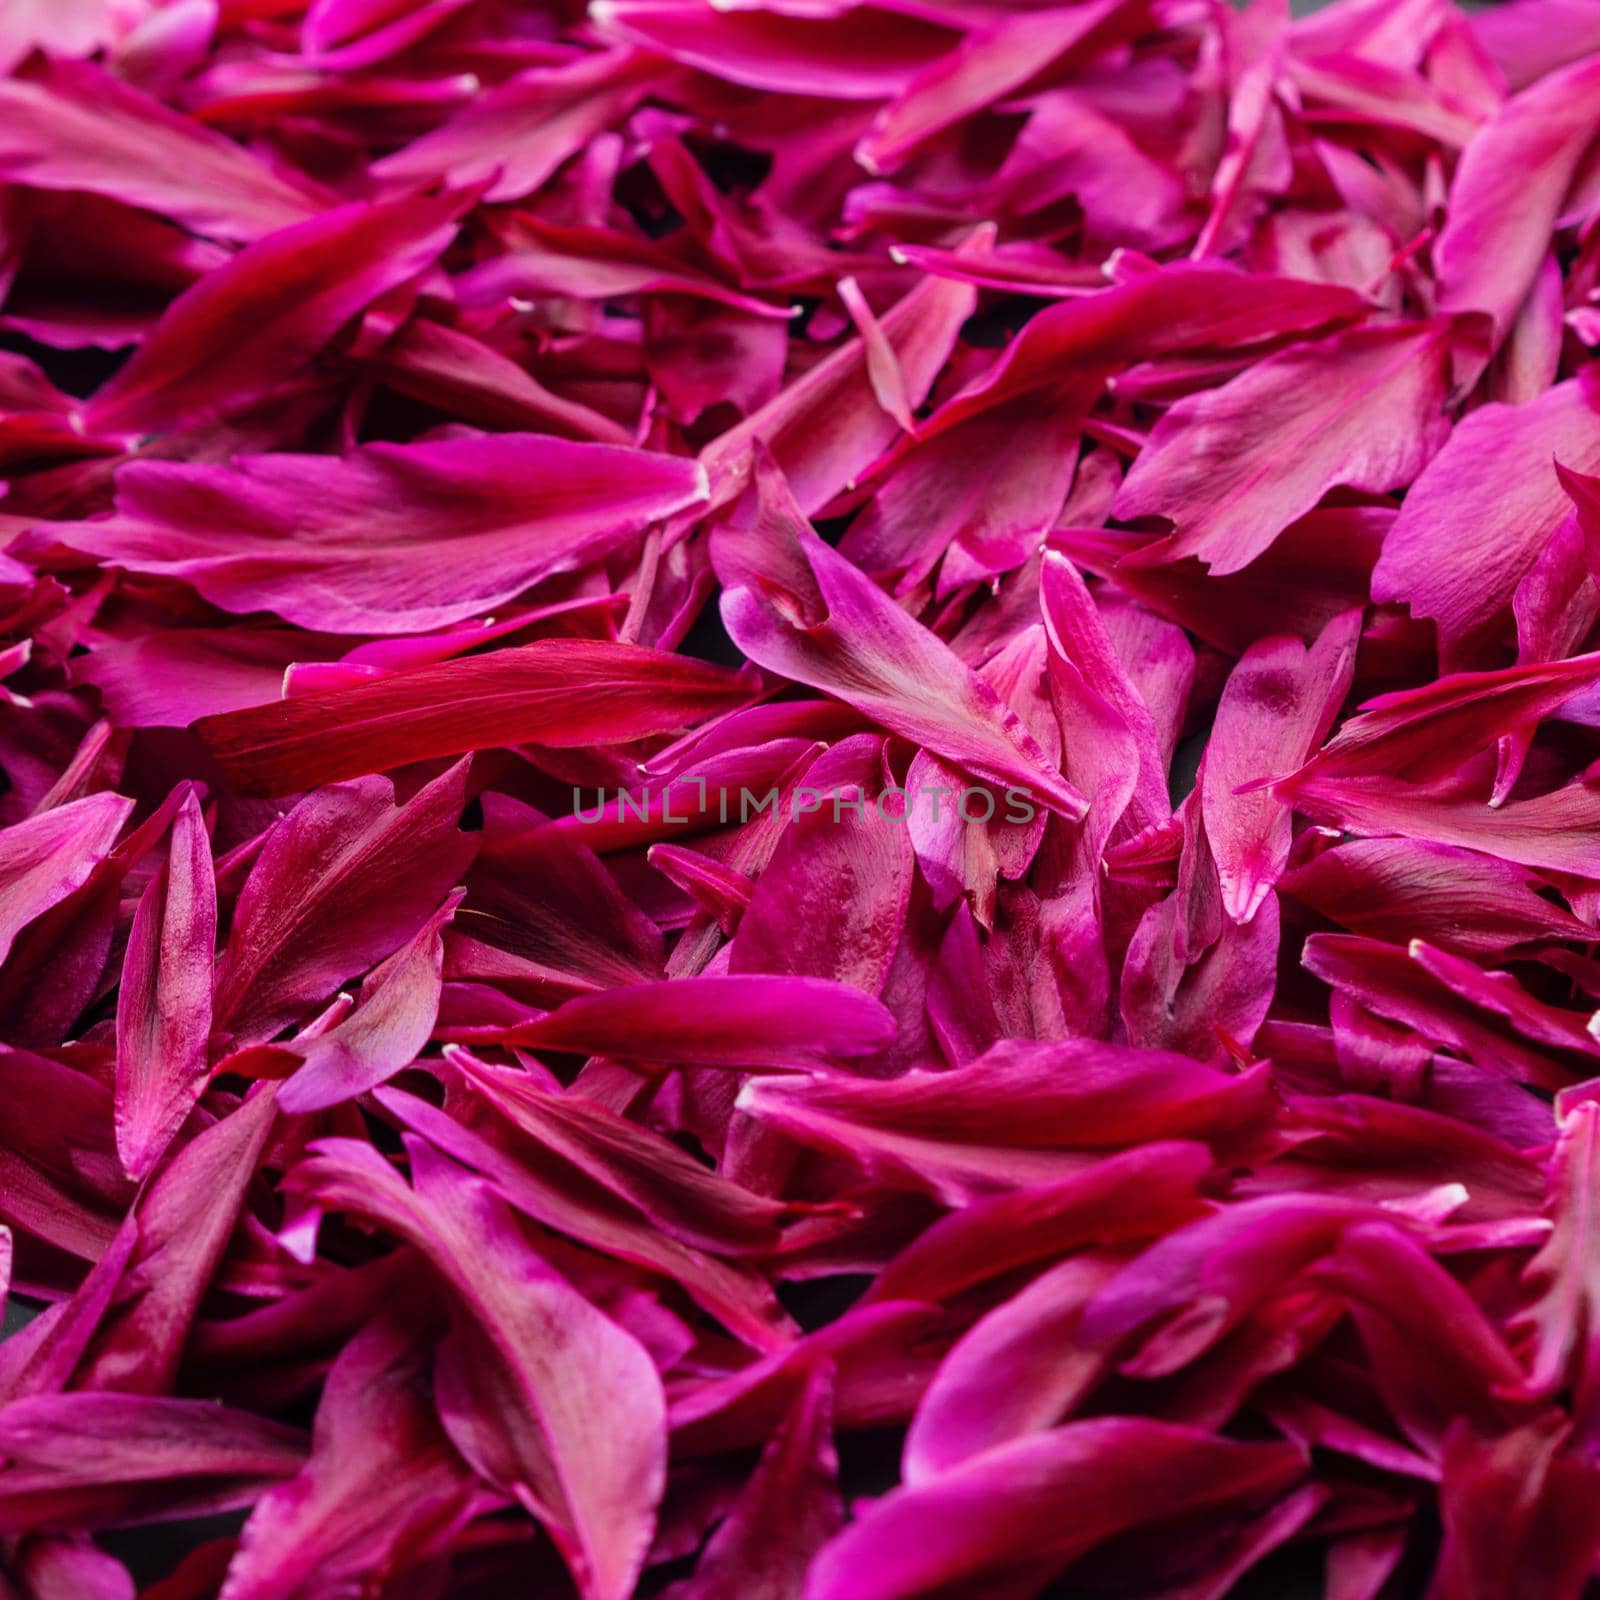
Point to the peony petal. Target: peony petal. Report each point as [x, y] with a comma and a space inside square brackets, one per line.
[391, 538]
[740, 1022]
[557, 692]
[1233, 467]
[164, 1005]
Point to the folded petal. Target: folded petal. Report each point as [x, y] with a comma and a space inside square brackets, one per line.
[1478, 516]
[1276, 708]
[44, 859]
[164, 1004]
[849, 638]
[382, 1036]
[342, 881]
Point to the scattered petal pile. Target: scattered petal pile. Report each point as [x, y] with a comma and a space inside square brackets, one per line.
[801, 799]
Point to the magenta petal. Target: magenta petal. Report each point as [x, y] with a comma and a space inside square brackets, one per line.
[164, 1006]
[739, 1022]
[391, 538]
[1233, 467]
[343, 880]
[544, 1393]
[1027, 1508]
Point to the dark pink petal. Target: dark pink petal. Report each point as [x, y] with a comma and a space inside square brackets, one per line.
[827, 427]
[676, 1192]
[1517, 1511]
[168, 680]
[1187, 1291]
[450, 369]
[883, 1356]
[833, 900]
[342, 881]
[247, 330]
[516, 135]
[989, 65]
[742, 1022]
[1233, 467]
[1134, 1195]
[1425, 734]
[391, 538]
[75, 127]
[1561, 1324]
[181, 1225]
[718, 890]
[1317, 568]
[1398, 889]
[1017, 1371]
[1028, 1508]
[557, 692]
[164, 1005]
[594, 264]
[1392, 982]
[1552, 832]
[535, 1179]
[816, 619]
[1021, 1113]
[382, 1484]
[1162, 312]
[1476, 519]
[544, 1393]
[106, 1460]
[1436, 1354]
[987, 492]
[784, 1515]
[862, 54]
